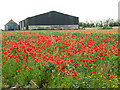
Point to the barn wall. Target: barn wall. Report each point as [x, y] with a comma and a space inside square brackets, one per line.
[58, 27]
[6, 26]
[22, 25]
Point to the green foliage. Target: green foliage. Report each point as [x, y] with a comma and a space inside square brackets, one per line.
[106, 27]
[49, 76]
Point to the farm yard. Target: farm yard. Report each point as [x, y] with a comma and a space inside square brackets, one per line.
[60, 59]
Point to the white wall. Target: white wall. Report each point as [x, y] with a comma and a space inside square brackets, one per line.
[71, 27]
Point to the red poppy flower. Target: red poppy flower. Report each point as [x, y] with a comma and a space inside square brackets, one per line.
[24, 57]
[17, 60]
[51, 50]
[70, 77]
[94, 66]
[105, 54]
[25, 65]
[70, 70]
[90, 62]
[93, 72]
[85, 64]
[83, 67]
[18, 70]
[5, 53]
[80, 64]
[90, 56]
[106, 64]
[111, 76]
[42, 65]
[74, 64]
[3, 62]
[66, 72]
[90, 65]
[63, 69]
[27, 61]
[76, 67]
[30, 67]
[116, 54]
[102, 58]
[6, 58]
[60, 52]
[75, 73]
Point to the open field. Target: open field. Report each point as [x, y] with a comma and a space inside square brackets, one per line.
[60, 59]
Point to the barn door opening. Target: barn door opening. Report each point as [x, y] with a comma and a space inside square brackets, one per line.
[11, 27]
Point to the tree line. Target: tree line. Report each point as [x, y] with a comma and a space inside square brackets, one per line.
[109, 23]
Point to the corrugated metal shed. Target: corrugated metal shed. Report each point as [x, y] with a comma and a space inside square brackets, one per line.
[49, 18]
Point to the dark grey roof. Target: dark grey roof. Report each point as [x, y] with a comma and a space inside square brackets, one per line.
[51, 12]
[11, 22]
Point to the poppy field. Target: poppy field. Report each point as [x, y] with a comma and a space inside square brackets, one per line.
[60, 59]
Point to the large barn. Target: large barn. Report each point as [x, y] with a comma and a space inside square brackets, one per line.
[11, 25]
[50, 20]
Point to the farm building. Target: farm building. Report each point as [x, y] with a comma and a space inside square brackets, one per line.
[50, 20]
[11, 25]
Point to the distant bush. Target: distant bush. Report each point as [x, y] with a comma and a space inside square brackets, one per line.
[106, 27]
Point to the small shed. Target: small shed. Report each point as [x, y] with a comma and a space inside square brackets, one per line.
[11, 25]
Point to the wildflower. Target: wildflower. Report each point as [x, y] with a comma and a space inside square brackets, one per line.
[94, 66]
[70, 70]
[70, 77]
[17, 60]
[90, 65]
[18, 70]
[6, 58]
[66, 72]
[75, 73]
[74, 64]
[27, 61]
[76, 67]
[111, 76]
[105, 54]
[5, 53]
[24, 57]
[60, 52]
[106, 64]
[51, 50]
[116, 54]
[83, 67]
[80, 63]
[25, 65]
[30, 67]
[42, 64]
[63, 69]
[85, 64]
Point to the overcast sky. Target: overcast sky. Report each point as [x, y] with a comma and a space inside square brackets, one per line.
[84, 9]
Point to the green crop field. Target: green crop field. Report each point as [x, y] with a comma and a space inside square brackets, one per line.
[60, 59]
